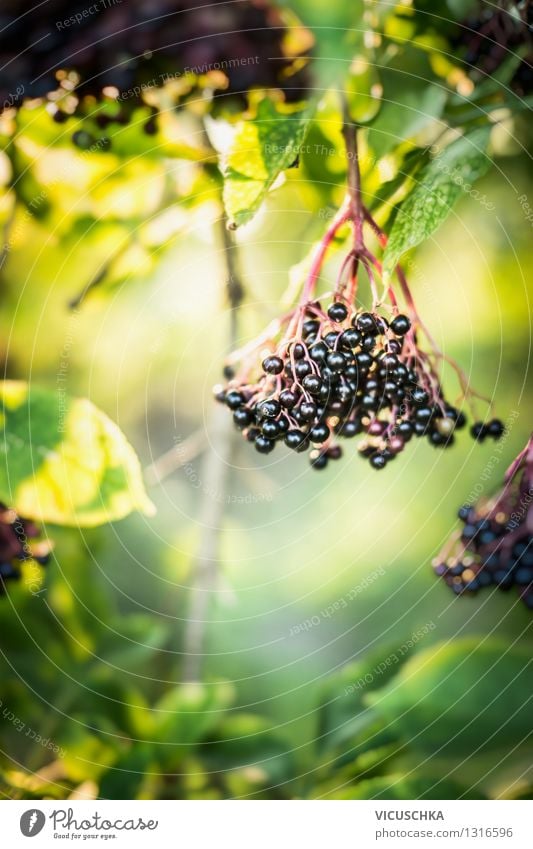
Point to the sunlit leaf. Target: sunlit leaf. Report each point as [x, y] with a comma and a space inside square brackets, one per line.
[64, 461]
[261, 148]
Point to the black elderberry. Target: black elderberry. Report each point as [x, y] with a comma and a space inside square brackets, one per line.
[318, 352]
[366, 323]
[310, 327]
[337, 312]
[242, 417]
[331, 339]
[419, 396]
[307, 410]
[350, 429]
[228, 372]
[273, 365]
[303, 368]
[334, 452]
[312, 384]
[478, 431]
[319, 433]
[298, 351]
[283, 425]
[270, 428]
[524, 576]
[234, 399]
[336, 361]
[370, 402]
[350, 339]
[400, 325]
[405, 429]
[252, 433]
[368, 343]
[378, 461]
[389, 361]
[423, 414]
[495, 428]
[288, 398]
[264, 445]
[269, 409]
[318, 460]
[364, 360]
[296, 439]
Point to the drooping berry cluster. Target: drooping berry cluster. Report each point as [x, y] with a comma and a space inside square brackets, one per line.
[495, 546]
[339, 374]
[19, 541]
[317, 375]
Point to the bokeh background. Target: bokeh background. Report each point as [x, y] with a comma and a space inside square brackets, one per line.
[320, 578]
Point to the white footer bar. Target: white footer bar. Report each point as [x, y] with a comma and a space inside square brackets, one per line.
[268, 824]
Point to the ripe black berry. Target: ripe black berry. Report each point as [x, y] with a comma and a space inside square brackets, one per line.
[318, 352]
[350, 339]
[336, 361]
[288, 399]
[319, 433]
[269, 409]
[234, 399]
[366, 323]
[295, 439]
[337, 312]
[312, 384]
[478, 431]
[307, 410]
[378, 461]
[242, 417]
[264, 445]
[303, 368]
[273, 365]
[400, 325]
[495, 428]
[270, 428]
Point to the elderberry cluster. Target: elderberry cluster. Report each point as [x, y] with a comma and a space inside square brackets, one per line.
[489, 556]
[346, 373]
[495, 548]
[18, 543]
[491, 34]
[132, 44]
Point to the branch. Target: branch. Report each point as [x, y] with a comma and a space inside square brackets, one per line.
[214, 472]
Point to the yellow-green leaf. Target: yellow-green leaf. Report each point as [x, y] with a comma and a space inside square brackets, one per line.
[64, 461]
[260, 149]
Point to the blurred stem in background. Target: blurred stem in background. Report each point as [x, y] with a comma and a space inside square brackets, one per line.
[214, 471]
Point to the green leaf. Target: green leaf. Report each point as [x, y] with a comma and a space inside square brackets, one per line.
[125, 778]
[189, 711]
[64, 461]
[441, 183]
[401, 120]
[245, 741]
[342, 714]
[408, 787]
[260, 149]
[452, 699]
